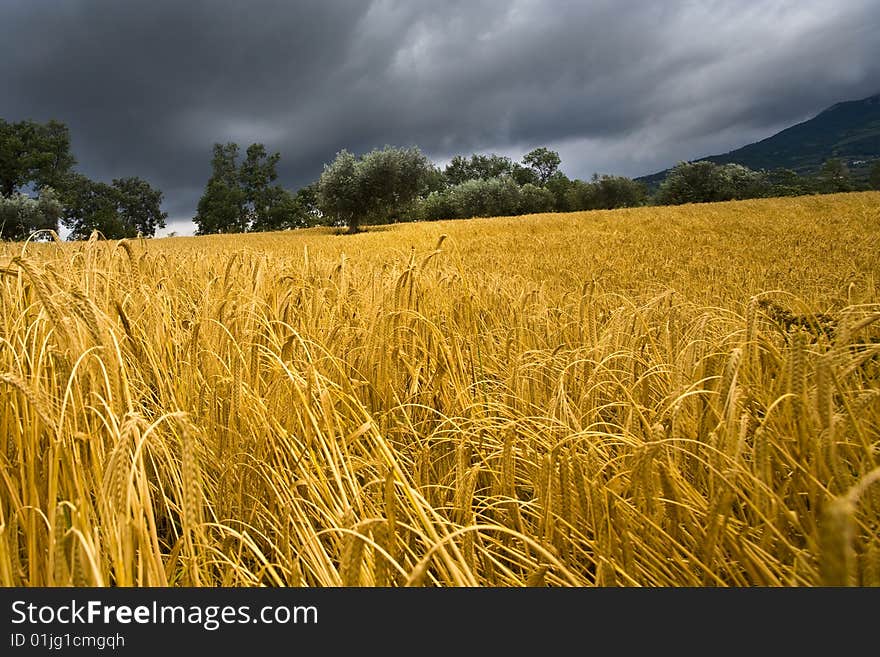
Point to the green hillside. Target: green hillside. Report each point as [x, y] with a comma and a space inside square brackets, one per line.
[849, 131]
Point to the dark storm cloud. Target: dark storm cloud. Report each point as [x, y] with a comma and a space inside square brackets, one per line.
[615, 86]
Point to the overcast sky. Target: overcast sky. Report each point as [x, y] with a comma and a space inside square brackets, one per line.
[618, 86]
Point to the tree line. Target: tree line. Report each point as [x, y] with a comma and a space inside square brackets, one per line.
[705, 182]
[399, 184]
[39, 189]
[392, 184]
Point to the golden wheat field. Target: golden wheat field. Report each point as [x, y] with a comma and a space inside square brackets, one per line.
[679, 396]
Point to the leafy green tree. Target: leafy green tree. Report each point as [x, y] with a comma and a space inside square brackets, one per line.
[435, 181]
[33, 154]
[534, 199]
[280, 210]
[307, 200]
[544, 162]
[743, 182]
[393, 178]
[21, 215]
[139, 206]
[618, 192]
[581, 195]
[523, 175]
[458, 170]
[693, 182]
[221, 208]
[340, 191]
[706, 182]
[438, 205]
[258, 169]
[478, 167]
[559, 184]
[785, 182]
[489, 166]
[605, 193]
[90, 206]
[128, 208]
[378, 187]
[263, 200]
[486, 198]
[874, 176]
[241, 198]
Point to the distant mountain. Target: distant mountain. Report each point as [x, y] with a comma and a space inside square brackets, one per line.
[849, 131]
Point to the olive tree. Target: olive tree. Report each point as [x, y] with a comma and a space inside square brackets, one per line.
[376, 188]
[21, 215]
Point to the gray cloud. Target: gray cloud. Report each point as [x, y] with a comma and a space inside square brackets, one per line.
[616, 86]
